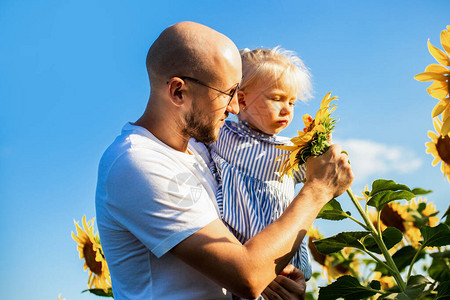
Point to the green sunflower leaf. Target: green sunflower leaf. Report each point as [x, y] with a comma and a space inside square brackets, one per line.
[340, 241]
[415, 286]
[439, 270]
[436, 236]
[420, 191]
[395, 296]
[403, 257]
[380, 185]
[332, 211]
[443, 290]
[347, 287]
[447, 213]
[381, 198]
[391, 237]
[100, 292]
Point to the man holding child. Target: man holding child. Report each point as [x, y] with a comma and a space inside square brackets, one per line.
[156, 208]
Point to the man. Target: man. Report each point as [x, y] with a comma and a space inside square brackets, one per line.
[156, 211]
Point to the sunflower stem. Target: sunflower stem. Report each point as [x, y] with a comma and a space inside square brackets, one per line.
[358, 222]
[379, 223]
[414, 260]
[378, 239]
[378, 260]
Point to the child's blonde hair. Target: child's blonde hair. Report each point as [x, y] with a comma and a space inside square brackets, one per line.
[275, 67]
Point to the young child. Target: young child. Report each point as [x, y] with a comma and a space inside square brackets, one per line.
[250, 195]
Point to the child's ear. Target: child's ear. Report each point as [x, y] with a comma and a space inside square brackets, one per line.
[241, 99]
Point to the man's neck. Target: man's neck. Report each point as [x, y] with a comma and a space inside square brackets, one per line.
[166, 130]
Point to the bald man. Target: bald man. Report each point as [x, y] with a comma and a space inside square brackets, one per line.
[157, 216]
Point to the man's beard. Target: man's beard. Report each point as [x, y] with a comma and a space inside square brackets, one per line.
[200, 127]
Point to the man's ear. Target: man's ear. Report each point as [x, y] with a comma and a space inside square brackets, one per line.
[175, 89]
[241, 99]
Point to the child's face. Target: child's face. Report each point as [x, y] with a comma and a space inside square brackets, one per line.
[267, 109]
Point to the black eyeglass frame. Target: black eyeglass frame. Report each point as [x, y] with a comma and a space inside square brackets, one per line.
[231, 95]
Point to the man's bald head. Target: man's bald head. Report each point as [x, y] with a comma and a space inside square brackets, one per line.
[189, 49]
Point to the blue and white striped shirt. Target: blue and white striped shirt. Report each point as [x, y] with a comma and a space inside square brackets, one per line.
[249, 194]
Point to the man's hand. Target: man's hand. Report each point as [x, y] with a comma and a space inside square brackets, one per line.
[290, 284]
[331, 173]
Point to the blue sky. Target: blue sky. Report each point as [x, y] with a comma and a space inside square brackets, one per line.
[73, 72]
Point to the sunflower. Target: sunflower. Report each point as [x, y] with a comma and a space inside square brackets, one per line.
[365, 193]
[90, 250]
[419, 214]
[439, 73]
[408, 218]
[439, 147]
[313, 140]
[386, 282]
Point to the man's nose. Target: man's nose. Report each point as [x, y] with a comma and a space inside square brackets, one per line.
[233, 106]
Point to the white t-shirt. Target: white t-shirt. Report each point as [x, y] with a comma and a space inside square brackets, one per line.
[149, 198]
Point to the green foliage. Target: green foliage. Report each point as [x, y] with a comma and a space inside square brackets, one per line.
[333, 211]
[416, 286]
[419, 191]
[349, 288]
[391, 237]
[385, 191]
[423, 286]
[443, 291]
[100, 292]
[340, 241]
[436, 236]
[439, 269]
[447, 215]
[320, 142]
[404, 256]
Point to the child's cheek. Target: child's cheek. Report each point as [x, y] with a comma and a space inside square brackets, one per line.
[276, 106]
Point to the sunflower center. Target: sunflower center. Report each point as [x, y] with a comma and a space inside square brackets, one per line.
[89, 256]
[391, 218]
[443, 148]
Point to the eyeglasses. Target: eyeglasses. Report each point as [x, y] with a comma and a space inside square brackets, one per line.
[230, 94]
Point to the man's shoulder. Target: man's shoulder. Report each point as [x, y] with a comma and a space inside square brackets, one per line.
[134, 145]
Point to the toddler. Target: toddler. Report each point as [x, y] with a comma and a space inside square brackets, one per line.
[250, 195]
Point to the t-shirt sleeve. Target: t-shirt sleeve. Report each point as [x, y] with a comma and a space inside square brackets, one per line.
[158, 200]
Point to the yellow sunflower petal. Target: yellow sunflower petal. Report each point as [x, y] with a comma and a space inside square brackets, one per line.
[446, 113]
[430, 76]
[433, 136]
[435, 161]
[287, 148]
[326, 100]
[437, 85]
[439, 55]
[435, 68]
[293, 156]
[431, 147]
[437, 125]
[445, 41]
[439, 93]
[439, 108]
[445, 129]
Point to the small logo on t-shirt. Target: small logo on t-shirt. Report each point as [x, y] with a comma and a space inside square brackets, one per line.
[185, 189]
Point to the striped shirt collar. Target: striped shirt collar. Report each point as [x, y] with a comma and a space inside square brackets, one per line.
[243, 129]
